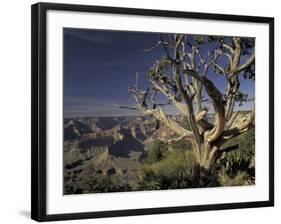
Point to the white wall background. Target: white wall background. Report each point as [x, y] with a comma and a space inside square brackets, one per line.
[15, 110]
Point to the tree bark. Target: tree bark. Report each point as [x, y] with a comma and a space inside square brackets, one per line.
[203, 165]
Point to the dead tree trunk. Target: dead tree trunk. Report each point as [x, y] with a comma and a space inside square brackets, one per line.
[182, 76]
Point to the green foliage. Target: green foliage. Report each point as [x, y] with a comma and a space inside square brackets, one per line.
[249, 72]
[98, 182]
[200, 39]
[68, 189]
[240, 178]
[166, 168]
[247, 44]
[163, 65]
[156, 152]
[241, 98]
[238, 167]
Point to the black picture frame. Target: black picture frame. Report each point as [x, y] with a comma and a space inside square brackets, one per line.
[38, 116]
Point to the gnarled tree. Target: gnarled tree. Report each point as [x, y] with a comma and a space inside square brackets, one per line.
[183, 75]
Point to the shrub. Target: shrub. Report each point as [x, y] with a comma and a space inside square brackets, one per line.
[166, 169]
[97, 182]
[238, 167]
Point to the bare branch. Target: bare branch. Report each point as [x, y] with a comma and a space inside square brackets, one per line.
[153, 98]
[217, 98]
[157, 113]
[242, 127]
[152, 48]
[237, 54]
[173, 140]
[231, 120]
[226, 46]
[220, 68]
[126, 107]
[202, 60]
[220, 52]
[185, 65]
[137, 81]
[160, 115]
[164, 44]
[192, 58]
[180, 106]
[231, 91]
[219, 117]
[249, 61]
[202, 121]
[177, 80]
[233, 83]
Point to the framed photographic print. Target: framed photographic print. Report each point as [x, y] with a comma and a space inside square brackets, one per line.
[138, 111]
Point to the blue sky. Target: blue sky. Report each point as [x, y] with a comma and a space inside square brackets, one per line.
[100, 65]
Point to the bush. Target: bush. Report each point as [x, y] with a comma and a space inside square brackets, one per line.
[238, 167]
[166, 168]
[156, 152]
[98, 182]
[239, 179]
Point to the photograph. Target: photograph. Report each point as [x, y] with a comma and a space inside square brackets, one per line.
[149, 111]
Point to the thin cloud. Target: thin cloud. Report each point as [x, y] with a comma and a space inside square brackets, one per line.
[97, 39]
